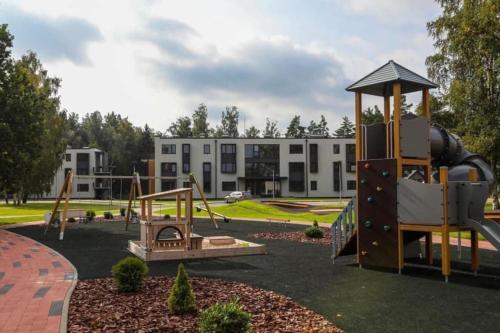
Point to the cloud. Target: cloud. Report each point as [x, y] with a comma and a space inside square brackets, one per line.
[52, 38]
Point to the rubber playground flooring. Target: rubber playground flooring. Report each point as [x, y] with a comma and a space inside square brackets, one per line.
[356, 300]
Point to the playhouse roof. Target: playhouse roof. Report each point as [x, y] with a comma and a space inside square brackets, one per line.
[380, 81]
[170, 193]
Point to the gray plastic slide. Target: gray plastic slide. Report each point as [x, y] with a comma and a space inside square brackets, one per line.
[488, 228]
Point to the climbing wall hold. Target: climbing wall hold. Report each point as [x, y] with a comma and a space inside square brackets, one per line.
[371, 200]
[367, 165]
[368, 224]
[385, 174]
[363, 181]
[375, 243]
[387, 228]
[364, 253]
[379, 189]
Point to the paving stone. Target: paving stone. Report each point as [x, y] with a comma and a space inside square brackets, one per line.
[16, 264]
[5, 289]
[69, 276]
[41, 292]
[2, 274]
[56, 308]
[27, 256]
[56, 264]
[43, 271]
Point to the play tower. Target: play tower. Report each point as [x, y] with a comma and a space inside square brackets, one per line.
[399, 198]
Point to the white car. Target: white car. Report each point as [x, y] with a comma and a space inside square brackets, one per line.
[237, 196]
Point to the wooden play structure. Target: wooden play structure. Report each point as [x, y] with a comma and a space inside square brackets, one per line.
[393, 210]
[184, 243]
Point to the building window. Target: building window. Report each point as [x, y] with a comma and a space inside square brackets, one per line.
[167, 149]
[82, 187]
[186, 158]
[68, 157]
[336, 148]
[337, 176]
[207, 177]
[296, 149]
[351, 184]
[350, 157]
[186, 184]
[228, 158]
[313, 157]
[229, 186]
[296, 180]
[168, 169]
[168, 185]
[206, 148]
[82, 164]
[314, 185]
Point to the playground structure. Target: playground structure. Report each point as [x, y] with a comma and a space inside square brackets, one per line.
[62, 215]
[184, 244]
[399, 199]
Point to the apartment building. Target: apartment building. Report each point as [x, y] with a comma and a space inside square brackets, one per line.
[87, 164]
[308, 167]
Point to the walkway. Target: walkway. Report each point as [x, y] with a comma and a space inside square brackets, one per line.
[34, 284]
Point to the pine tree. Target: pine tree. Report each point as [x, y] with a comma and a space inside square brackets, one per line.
[200, 125]
[346, 129]
[271, 130]
[294, 129]
[181, 298]
[252, 132]
[372, 116]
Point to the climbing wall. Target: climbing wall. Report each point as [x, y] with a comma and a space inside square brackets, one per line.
[377, 213]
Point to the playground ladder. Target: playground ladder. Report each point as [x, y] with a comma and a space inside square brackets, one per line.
[344, 230]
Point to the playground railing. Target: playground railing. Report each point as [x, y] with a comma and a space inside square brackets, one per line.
[343, 228]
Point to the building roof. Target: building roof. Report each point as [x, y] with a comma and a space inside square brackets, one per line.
[380, 81]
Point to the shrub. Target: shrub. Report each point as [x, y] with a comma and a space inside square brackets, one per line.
[166, 216]
[108, 215]
[315, 223]
[181, 298]
[71, 220]
[90, 213]
[225, 318]
[129, 274]
[122, 212]
[314, 232]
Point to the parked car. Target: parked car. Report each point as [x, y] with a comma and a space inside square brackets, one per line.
[237, 196]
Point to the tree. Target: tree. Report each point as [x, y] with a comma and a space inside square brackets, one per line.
[372, 116]
[346, 129]
[466, 65]
[229, 122]
[294, 129]
[200, 125]
[313, 128]
[181, 298]
[440, 114]
[323, 128]
[252, 132]
[405, 107]
[181, 128]
[271, 130]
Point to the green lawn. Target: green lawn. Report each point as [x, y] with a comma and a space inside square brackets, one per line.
[34, 211]
[256, 210]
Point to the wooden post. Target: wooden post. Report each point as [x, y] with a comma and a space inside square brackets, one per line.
[401, 250]
[178, 212]
[428, 248]
[58, 201]
[397, 121]
[151, 174]
[192, 179]
[387, 119]
[189, 211]
[150, 211]
[129, 206]
[474, 241]
[357, 111]
[445, 232]
[426, 112]
[67, 194]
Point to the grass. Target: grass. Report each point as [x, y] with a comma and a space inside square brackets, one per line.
[256, 210]
[34, 211]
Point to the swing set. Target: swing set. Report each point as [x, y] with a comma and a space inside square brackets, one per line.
[135, 192]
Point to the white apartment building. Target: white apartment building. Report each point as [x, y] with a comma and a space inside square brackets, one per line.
[87, 164]
[309, 167]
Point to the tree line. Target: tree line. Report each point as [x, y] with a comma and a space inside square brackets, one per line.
[198, 126]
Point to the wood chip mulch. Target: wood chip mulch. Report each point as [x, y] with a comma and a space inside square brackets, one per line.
[297, 236]
[96, 306]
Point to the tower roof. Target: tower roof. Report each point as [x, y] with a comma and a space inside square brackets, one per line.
[380, 81]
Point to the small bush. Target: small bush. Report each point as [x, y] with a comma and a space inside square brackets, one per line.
[122, 212]
[181, 298]
[71, 220]
[315, 223]
[314, 232]
[108, 215]
[166, 216]
[225, 318]
[90, 213]
[129, 274]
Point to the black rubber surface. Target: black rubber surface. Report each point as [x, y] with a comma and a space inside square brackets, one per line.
[357, 300]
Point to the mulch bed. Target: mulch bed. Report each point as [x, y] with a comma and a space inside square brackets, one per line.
[96, 306]
[297, 236]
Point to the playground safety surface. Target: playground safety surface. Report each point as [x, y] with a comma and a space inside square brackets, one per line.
[356, 300]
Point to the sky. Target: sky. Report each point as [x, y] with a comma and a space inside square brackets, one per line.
[154, 61]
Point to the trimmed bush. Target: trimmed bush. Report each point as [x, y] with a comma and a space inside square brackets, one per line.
[129, 274]
[315, 223]
[90, 214]
[314, 232]
[225, 318]
[122, 212]
[181, 298]
[71, 220]
[108, 215]
[166, 216]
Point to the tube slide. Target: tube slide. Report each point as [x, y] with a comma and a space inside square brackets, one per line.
[448, 150]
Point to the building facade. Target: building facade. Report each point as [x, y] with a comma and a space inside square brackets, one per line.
[309, 167]
[87, 164]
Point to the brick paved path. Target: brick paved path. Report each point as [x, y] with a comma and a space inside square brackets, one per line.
[34, 283]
